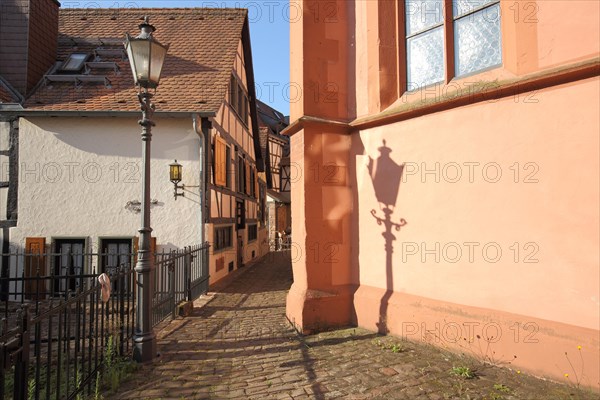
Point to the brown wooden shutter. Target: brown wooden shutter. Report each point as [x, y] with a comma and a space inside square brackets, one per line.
[220, 161]
[248, 189]
[35, 264]
[153, 245]
[135, 244]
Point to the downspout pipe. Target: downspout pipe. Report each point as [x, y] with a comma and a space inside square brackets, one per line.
[201, 126]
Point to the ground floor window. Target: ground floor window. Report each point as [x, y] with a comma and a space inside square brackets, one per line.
[222, 237]
[240, 214]
[252, 232]
[68, 264]
[114, 254]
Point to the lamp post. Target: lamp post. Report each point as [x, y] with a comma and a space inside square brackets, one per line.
[146, 57]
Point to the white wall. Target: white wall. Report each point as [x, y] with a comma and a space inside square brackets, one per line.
[76, 176]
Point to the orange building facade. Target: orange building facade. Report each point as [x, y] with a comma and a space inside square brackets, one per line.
[450, 176]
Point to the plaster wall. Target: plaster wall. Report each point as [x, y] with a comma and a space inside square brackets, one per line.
[501, 204]
[77, 175]
[511, 184]
[566, 31]
[536, 36]
[296, 60]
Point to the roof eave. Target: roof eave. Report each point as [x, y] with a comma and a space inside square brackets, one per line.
[104, 113]
[10, 107]
[260, 162]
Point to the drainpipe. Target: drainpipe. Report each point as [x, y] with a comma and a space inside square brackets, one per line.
[201, 127]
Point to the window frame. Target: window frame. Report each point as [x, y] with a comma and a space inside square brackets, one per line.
[454, 38]
[238, 99]
[104, 241]
[78, 65]
[285, 184]
[241, 174]
[220, 234]
[240, 214]
[449, 50]
[252, 232]
[422, 32]
[73, 281]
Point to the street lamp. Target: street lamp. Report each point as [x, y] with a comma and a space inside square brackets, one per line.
[175, 172]
[146, 57]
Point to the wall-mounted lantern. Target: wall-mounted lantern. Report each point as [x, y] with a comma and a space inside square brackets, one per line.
[175, 173]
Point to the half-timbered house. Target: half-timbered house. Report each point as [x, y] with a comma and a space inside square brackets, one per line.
[276, 153]
[71, 174]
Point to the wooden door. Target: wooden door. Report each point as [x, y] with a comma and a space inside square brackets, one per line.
[282, 222]
[35, 266]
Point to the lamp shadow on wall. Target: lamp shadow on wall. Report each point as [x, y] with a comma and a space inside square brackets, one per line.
[386, 175]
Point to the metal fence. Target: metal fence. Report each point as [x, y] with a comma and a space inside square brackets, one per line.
[281, 243]
[56, 332]
[57, 352]
[180, 275]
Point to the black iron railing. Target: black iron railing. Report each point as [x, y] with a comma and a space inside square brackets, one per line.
[56, 331]
[180, 275]
[58, 352]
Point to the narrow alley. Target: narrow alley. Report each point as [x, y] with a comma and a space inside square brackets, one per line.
[239, 345]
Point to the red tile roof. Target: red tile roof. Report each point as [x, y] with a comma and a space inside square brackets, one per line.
[203, 45]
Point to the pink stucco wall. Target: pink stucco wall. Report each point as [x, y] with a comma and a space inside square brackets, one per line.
[501, 204]
[499, 194]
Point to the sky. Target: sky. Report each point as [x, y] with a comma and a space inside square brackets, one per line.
[269, 32]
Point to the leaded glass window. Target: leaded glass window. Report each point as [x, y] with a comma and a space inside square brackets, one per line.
[424, 42]
[477, 40]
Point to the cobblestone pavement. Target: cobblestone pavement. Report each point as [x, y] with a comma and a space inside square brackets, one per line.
[239, 345]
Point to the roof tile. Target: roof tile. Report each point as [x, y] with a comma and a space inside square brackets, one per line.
[203, 45]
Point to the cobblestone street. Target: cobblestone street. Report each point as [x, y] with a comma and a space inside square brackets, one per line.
[238, 344]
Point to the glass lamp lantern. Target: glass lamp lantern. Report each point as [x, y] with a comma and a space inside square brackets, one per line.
[175, 171]
[146, 56]
[175, 175]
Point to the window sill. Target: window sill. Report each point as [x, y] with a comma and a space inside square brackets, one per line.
[223, 250]
[494, 90]
[489, 85]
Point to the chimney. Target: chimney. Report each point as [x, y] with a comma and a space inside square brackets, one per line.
[28, 41]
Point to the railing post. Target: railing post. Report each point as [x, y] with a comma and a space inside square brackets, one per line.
[172, 288]
[22, 364]
[121, 293]
[206, 264]
[187, 273]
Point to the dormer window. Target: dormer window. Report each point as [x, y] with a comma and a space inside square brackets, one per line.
[74, 63]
